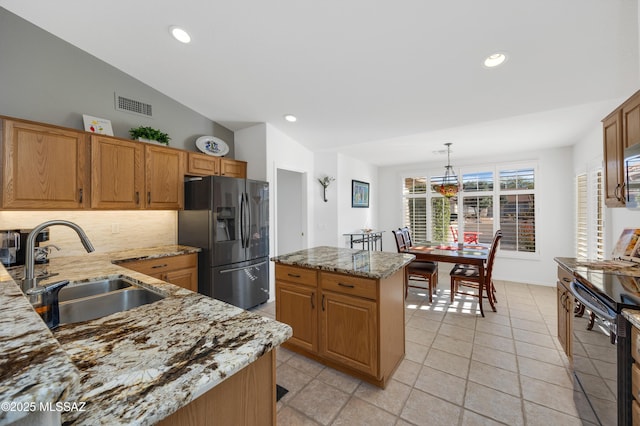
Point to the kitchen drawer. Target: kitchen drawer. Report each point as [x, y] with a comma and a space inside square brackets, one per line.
[297, 275]
[163, 264]
[635, 344]
[346, 284]
[635, 413]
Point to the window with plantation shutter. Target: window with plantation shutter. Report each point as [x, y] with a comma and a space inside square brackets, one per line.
[415, 207]
[582, 235]
[599, 215]
[590, 230]
[498, 197]
[517, 209]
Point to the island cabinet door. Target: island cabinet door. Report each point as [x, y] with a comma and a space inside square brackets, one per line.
[348, 331]
[296, 305]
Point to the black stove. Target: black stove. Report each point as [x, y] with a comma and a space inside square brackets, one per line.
[615, 290]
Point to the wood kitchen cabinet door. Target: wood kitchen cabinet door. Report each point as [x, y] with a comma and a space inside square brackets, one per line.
[631, 121]
[117, 173]
[185, 278]
[349, 331]
[613, 160]
[565, 303]
[233, 168]
[43, 167]
[296, 305]
[202, 165]
[164, 178]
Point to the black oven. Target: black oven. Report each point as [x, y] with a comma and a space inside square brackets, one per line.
[601, 346]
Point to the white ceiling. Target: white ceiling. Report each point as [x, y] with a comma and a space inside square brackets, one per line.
[386, 81]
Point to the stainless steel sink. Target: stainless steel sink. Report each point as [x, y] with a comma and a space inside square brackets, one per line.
[102, 298]
[92, 288]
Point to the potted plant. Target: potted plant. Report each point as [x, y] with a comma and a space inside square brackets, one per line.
[147, 134]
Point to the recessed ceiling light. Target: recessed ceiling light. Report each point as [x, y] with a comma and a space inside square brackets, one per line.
[179, 34]
[291, 118]
[495, 60]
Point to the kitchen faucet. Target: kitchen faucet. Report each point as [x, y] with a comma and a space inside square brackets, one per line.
[29, 282]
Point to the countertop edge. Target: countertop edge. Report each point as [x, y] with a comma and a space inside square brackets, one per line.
[347, 261]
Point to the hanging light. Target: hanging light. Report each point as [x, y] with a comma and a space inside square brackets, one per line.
[449, 186]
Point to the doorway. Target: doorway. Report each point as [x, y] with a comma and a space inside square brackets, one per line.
[291, 211]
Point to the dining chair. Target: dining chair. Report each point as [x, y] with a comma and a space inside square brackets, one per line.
[463, 275]
[417, 270]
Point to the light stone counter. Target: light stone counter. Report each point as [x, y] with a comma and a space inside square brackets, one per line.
[364, 263]
[633, 316]
[132, 367]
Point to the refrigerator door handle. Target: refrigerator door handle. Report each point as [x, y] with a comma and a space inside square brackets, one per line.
[248, 234]
[242, 220]
[226, 271]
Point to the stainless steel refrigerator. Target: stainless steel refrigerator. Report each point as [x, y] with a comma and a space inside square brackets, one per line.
[228, 218]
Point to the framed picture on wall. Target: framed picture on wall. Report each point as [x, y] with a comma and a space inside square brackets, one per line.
[359, 194]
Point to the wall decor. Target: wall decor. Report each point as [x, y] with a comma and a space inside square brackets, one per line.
[359, 194]
[97, 125]
[325, 182]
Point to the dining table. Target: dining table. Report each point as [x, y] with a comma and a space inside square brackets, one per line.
[470, 254]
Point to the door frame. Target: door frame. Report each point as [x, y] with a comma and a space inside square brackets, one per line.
[304, 211]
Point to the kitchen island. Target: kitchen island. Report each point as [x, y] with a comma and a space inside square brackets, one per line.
[346, 308]
[138, 366]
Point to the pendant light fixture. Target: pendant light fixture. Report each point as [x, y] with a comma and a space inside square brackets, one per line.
[449, 186]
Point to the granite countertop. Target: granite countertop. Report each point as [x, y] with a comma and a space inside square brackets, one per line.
[633, 316]
[132, 367]
[370, 264]
[599, 266]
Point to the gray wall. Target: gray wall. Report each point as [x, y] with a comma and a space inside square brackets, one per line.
[43, 78]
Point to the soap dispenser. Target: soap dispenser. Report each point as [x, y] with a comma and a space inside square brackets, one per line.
[44, 300]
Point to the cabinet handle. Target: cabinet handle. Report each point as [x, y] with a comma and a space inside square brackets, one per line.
[563, 298]
[294, 275]
[566, 280]
[346, 285]
[323, 302]
[80, 193]
[313, 305]
[149, 197]
[137, 197]
[164, 265]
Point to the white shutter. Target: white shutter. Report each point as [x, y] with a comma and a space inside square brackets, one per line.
[582, 227]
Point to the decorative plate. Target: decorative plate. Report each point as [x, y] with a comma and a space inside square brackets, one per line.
[212, 146]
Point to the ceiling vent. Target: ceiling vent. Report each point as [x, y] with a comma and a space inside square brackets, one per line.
[133, 106]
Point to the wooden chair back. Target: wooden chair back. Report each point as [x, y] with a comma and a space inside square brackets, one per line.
[406, 234]
[492, 254]
[400, 244]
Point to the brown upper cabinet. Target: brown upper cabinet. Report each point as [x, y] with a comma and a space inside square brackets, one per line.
[117, 173]
[164, 178]
[621, 129]
[132, 175]
[43, 167]
[52, 167]
[207, 165]
[233, 168]
[202, 165]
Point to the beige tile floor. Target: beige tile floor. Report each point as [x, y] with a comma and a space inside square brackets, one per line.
[459, 369]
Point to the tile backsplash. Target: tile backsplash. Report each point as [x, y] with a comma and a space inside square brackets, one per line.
[107, 230]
